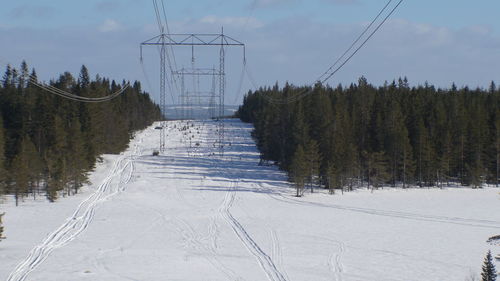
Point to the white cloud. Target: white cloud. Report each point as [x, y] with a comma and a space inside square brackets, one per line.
[423, 52]
[271, 3]
[110, 25]
[242, 22]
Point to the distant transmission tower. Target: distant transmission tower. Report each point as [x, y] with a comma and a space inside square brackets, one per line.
[197, 97]
[165, 40]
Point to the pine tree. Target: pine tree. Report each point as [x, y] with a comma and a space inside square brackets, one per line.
[76, 158]
[343, 155]
[398, 147]
[43, 137]
[313, 159]
[428, 136]
[332, 178]
[407, 167]
[424, 155]
[84, 78]
[377, 169]
[26, 170]
[300, 128]
[20, 173]
[7, 77]
[298, 168]
[34, 164]
[445, 159]
[489, 272]
[56, 160]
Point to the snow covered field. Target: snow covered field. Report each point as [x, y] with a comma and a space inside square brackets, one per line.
[191, 215]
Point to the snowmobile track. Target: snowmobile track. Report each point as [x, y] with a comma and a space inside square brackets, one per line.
[122, 171]
[388, 213]
[265, 262]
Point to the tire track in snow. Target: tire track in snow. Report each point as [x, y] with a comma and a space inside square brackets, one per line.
[213, 233]
[388, 213]
[335, 262]
[265, 262]
[276, 249]
[206, 244]
[194, 241]
[277, 252]
[122, 171]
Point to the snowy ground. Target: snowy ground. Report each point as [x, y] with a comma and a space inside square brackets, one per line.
[191, 215]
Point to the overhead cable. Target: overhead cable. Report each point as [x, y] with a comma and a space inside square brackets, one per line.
[53, 90]
[329, 73]
[356, 41]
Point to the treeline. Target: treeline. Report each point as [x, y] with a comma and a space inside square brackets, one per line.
[48, 144]
[394, 135]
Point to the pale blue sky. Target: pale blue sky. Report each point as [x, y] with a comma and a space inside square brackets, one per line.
[296, 40]
[67, 13]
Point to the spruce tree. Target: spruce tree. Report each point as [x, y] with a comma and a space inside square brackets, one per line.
[43, 136]
[489, 272]
[20, 174]
[34, 164]
[428, 136]
[24, 75]
[298, 168]
[56, 159]
[7, 77]
[377, 169]
[407, 167]
[332, 178]
[313, 158]
[84, 78]
[76, 158]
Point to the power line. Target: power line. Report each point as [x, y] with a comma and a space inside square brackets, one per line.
[174, 80]
[311, 86]
[364, 42]
[53, 90]
[158, 17]
[356, 41]
[74, 97]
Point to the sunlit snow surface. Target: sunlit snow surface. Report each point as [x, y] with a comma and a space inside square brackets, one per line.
[190, 214]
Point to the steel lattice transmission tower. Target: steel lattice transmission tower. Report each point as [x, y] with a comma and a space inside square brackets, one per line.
[221, 40]
[161, 40]
[202, 98]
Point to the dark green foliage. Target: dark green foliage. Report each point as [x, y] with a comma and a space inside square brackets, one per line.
[49, 144]
[312, 162]
[391, 135]
[3, 173]
[298, 170]
[489, 272]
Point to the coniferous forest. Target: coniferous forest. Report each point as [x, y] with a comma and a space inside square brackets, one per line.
[392, 135]
[49, 144]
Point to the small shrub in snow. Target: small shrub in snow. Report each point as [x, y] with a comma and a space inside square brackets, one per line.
[494, 239]
[489, 272]
[1, 227]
